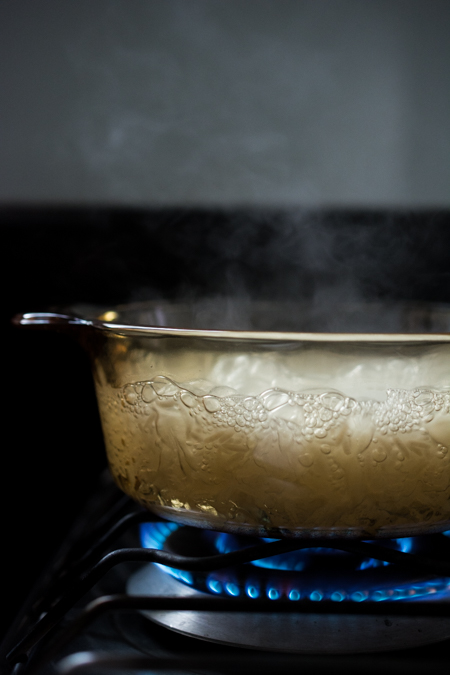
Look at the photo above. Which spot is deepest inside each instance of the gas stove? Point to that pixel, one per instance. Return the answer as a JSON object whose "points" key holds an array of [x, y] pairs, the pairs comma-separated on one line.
{"points": [[190, 620], [129, 592]]}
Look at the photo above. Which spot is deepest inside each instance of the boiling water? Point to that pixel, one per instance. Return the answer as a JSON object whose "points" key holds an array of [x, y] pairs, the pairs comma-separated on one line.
{"points": [[312, 461]]}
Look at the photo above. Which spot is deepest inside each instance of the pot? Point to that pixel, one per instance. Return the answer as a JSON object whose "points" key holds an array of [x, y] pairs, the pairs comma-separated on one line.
{"points": [[273, 432]]}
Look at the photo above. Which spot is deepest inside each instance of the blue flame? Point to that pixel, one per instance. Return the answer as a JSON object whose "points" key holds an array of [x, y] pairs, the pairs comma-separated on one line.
{"points": [[232, 589], [437, 588], [214, 586], [359, 596], [154, 535], [297, 561], [226, 543], [369, 563], [252, 591], [294, 595], [223, 543], [316, 596], [405, 544], [338, 596]]}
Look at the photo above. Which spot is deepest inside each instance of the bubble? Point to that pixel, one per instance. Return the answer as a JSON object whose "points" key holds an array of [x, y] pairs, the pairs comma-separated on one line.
{"points": [[325, 414], [230, 402], [325, 448], [188, 399], [211, 403], [320, 433], [442, 451], [311, 421], [423, 397], [163, 386], [148, 394], [130, 394], [379, 455], [275, 400], [250, 403], [332, 401], [306, 459]]}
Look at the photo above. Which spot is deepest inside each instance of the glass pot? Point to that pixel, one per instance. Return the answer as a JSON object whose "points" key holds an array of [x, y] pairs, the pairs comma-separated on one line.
{"points": [[269, 432]]}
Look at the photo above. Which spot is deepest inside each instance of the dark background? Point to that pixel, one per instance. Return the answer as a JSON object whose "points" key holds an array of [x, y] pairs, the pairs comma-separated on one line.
{"points": [[54, 257]]}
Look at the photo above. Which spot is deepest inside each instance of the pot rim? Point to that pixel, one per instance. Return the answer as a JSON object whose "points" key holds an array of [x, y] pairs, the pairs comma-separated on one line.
{"points": [[59, 320]]}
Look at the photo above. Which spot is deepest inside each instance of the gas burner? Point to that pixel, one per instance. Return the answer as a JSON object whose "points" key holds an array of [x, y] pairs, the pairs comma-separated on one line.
{"points": [[310, 576], [293, 633], [313, 574]]}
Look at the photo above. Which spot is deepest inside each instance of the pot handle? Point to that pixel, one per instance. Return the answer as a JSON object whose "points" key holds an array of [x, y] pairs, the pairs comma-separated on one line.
{"points": [[49, 320]]}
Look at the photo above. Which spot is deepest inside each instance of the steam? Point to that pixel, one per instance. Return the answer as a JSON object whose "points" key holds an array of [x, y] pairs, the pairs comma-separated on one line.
{"points": [[295, 269]]}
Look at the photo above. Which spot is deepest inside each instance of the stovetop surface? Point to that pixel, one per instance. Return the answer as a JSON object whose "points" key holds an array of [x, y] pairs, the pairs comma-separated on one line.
{"points": [[125, 635]]}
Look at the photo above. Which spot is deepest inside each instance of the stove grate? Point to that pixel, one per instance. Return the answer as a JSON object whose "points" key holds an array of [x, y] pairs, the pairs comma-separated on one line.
{"points": [[84, 566]]}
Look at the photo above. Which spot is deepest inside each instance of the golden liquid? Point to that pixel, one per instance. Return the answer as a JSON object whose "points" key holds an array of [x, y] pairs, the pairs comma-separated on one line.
{"points": [[308, 461]]}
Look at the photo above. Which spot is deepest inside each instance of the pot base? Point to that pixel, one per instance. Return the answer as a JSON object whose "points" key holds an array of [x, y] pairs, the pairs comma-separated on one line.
{"points": [[211, 522]]}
